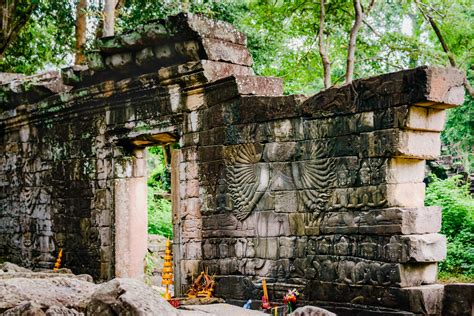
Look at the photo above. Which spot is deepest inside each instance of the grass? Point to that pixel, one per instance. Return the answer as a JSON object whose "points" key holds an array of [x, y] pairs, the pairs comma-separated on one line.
{"points": [[447, 278]]}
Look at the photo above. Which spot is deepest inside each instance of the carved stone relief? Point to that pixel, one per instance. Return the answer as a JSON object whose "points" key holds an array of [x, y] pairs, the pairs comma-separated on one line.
{"points": [[248, 179]]}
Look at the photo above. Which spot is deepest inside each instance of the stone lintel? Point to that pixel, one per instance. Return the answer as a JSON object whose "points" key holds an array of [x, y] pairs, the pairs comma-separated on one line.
{"points": [[200, 91], [173, 41], [424, 86]]}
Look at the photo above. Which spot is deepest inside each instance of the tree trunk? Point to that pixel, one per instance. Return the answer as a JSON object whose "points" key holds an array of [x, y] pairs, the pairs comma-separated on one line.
{"points": [[322, 49], [14, 15], [359, 16], [81, 25], [109, 18]]}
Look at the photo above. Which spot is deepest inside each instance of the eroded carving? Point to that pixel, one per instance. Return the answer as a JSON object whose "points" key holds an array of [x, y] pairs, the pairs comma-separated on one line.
{"points": [[247, 179], [362, 198]]}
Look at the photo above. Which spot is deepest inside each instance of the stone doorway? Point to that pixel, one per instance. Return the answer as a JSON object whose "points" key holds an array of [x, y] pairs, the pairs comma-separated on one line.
{"points": [[132, 209]]}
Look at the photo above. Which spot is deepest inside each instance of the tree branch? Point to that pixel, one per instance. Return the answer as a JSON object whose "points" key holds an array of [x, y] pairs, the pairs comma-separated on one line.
{"points": [[371, 28], [118, 7], [440, 37], [441, 40], [369, 8], [13, 19], [322, 49], [359, 16]]}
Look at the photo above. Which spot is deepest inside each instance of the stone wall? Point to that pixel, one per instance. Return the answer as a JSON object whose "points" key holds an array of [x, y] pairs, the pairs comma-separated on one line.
{"points": [[323, 193], [326, 194]]}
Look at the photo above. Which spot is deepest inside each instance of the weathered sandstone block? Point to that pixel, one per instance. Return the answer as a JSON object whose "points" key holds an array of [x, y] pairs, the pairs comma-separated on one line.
{"points": [[401, 170], [425, 299], [458, 299], [406, 194], [415, 144], [387, 221], [128, 297], [426, 119], [434, 87], [426, 248]]}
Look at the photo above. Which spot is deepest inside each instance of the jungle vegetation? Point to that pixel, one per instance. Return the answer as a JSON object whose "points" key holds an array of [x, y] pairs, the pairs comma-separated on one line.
{"points": [[312, 45]]}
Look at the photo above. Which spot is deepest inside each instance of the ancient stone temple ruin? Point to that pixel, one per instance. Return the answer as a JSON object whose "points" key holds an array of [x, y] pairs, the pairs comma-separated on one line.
{"points": [[322, 193]]}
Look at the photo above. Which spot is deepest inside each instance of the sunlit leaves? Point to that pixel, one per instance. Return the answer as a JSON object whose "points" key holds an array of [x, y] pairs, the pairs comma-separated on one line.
{"points": [[45, 42]]}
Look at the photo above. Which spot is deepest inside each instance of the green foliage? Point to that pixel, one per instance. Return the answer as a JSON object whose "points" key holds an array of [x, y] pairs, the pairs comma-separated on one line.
{"points": [[159, 208], [446, 277], [46, 41], [283, 38], [159, 216], [282, 35], [136, 12], [159, 177], [458, 223]]}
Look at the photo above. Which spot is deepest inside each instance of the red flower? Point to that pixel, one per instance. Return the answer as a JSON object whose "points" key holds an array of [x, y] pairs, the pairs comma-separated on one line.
{"points": [[174, 303]]}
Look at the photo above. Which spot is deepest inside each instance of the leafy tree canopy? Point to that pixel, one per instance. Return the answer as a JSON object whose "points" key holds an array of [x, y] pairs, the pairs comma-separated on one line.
{"points": [[46, 41], [282, 34]]}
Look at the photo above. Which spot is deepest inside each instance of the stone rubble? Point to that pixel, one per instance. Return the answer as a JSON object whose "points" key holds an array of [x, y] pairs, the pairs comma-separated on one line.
{"points": [[63, 293]]}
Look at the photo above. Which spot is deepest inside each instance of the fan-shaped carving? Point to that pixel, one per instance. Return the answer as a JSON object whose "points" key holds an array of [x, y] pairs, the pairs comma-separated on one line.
{"points": [[247, 179], [315, 178]]}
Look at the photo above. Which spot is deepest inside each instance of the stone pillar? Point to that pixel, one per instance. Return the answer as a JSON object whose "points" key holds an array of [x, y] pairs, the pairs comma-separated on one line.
{"points": [[130, 216]]}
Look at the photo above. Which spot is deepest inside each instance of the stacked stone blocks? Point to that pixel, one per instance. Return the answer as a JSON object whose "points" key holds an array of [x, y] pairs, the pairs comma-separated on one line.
{"points": [[324, 194]]}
